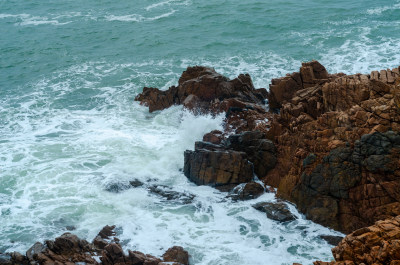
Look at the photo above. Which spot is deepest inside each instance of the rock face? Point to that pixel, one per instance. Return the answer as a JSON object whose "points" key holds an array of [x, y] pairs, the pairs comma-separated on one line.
{"points": [[203, 89], [337, 145], [232, 161], [378, 244], [69, 249]]}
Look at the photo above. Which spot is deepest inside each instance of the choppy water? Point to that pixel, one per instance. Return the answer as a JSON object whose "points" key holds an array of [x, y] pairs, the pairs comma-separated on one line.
{"points": [[69, 128]]}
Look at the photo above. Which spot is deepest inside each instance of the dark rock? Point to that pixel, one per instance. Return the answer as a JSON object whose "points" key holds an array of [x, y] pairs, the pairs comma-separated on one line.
{"points": [[176, 254], [70, 227], [276, 211], [103, 238], [247, 191], [169, 194], [333, 240], [217, 168], [117, 187]]}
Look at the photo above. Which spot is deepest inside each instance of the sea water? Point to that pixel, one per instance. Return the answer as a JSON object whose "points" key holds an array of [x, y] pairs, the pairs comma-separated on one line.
{"points": [[72, 136]]}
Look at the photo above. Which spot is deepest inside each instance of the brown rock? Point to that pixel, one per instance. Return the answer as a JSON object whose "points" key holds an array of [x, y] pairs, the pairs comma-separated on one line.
{"points": [[247, 191], [176, 254], [200, 89]]}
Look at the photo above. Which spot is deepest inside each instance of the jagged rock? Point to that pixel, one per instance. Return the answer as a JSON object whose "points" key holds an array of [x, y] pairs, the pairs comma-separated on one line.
{"points": [[378, 244], [337, 155], [247, 191], [117, 187], [201, 89], [276, 211], [176, 254]]}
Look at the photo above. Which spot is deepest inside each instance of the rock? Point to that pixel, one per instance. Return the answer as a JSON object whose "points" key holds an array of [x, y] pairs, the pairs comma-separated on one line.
{"points": [[103, 238], [35, 250], [275, 211], [214, 137], [176, 254], [69, 249], [117, 187], [136, 183], [169, 194], [201, 89], [247, 191], [378, 244], [217, 167], [336, 141], [333, 240]]}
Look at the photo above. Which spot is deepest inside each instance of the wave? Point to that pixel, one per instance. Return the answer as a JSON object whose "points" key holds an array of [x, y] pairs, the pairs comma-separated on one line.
{"points": [[27, 19]]}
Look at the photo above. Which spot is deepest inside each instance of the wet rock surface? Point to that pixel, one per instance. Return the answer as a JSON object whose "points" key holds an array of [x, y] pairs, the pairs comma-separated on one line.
{"points": [[276, 211], [69, 249]]}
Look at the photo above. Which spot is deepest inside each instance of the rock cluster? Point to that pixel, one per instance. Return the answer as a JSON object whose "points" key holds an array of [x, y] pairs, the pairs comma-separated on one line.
{"points": [[68, 249], [378, 244], [337, 140]]}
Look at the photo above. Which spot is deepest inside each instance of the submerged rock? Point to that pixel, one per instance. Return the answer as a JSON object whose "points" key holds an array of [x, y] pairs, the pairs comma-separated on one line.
{"points": [[277, 211], [333, 240]]}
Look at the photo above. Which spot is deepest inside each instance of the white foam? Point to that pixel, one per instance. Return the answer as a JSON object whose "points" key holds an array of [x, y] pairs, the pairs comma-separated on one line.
{"points": [[27, 19], [380, 10]]}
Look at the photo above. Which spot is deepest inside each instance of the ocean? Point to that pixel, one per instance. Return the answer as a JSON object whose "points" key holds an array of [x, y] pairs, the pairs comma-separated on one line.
{"points": [[72, 136]]}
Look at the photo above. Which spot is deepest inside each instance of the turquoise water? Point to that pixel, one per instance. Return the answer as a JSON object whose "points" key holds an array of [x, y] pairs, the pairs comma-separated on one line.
{"points": [[69, 128]]}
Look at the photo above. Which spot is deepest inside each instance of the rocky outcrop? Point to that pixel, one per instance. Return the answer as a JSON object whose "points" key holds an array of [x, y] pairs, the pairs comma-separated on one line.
{"points": [[233, 161], [337, 145], [378, 244], [105, 249], [202, 89]]}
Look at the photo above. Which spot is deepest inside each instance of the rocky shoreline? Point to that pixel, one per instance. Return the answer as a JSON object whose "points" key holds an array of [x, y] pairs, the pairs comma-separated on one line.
{"points": [[329, 143]]}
